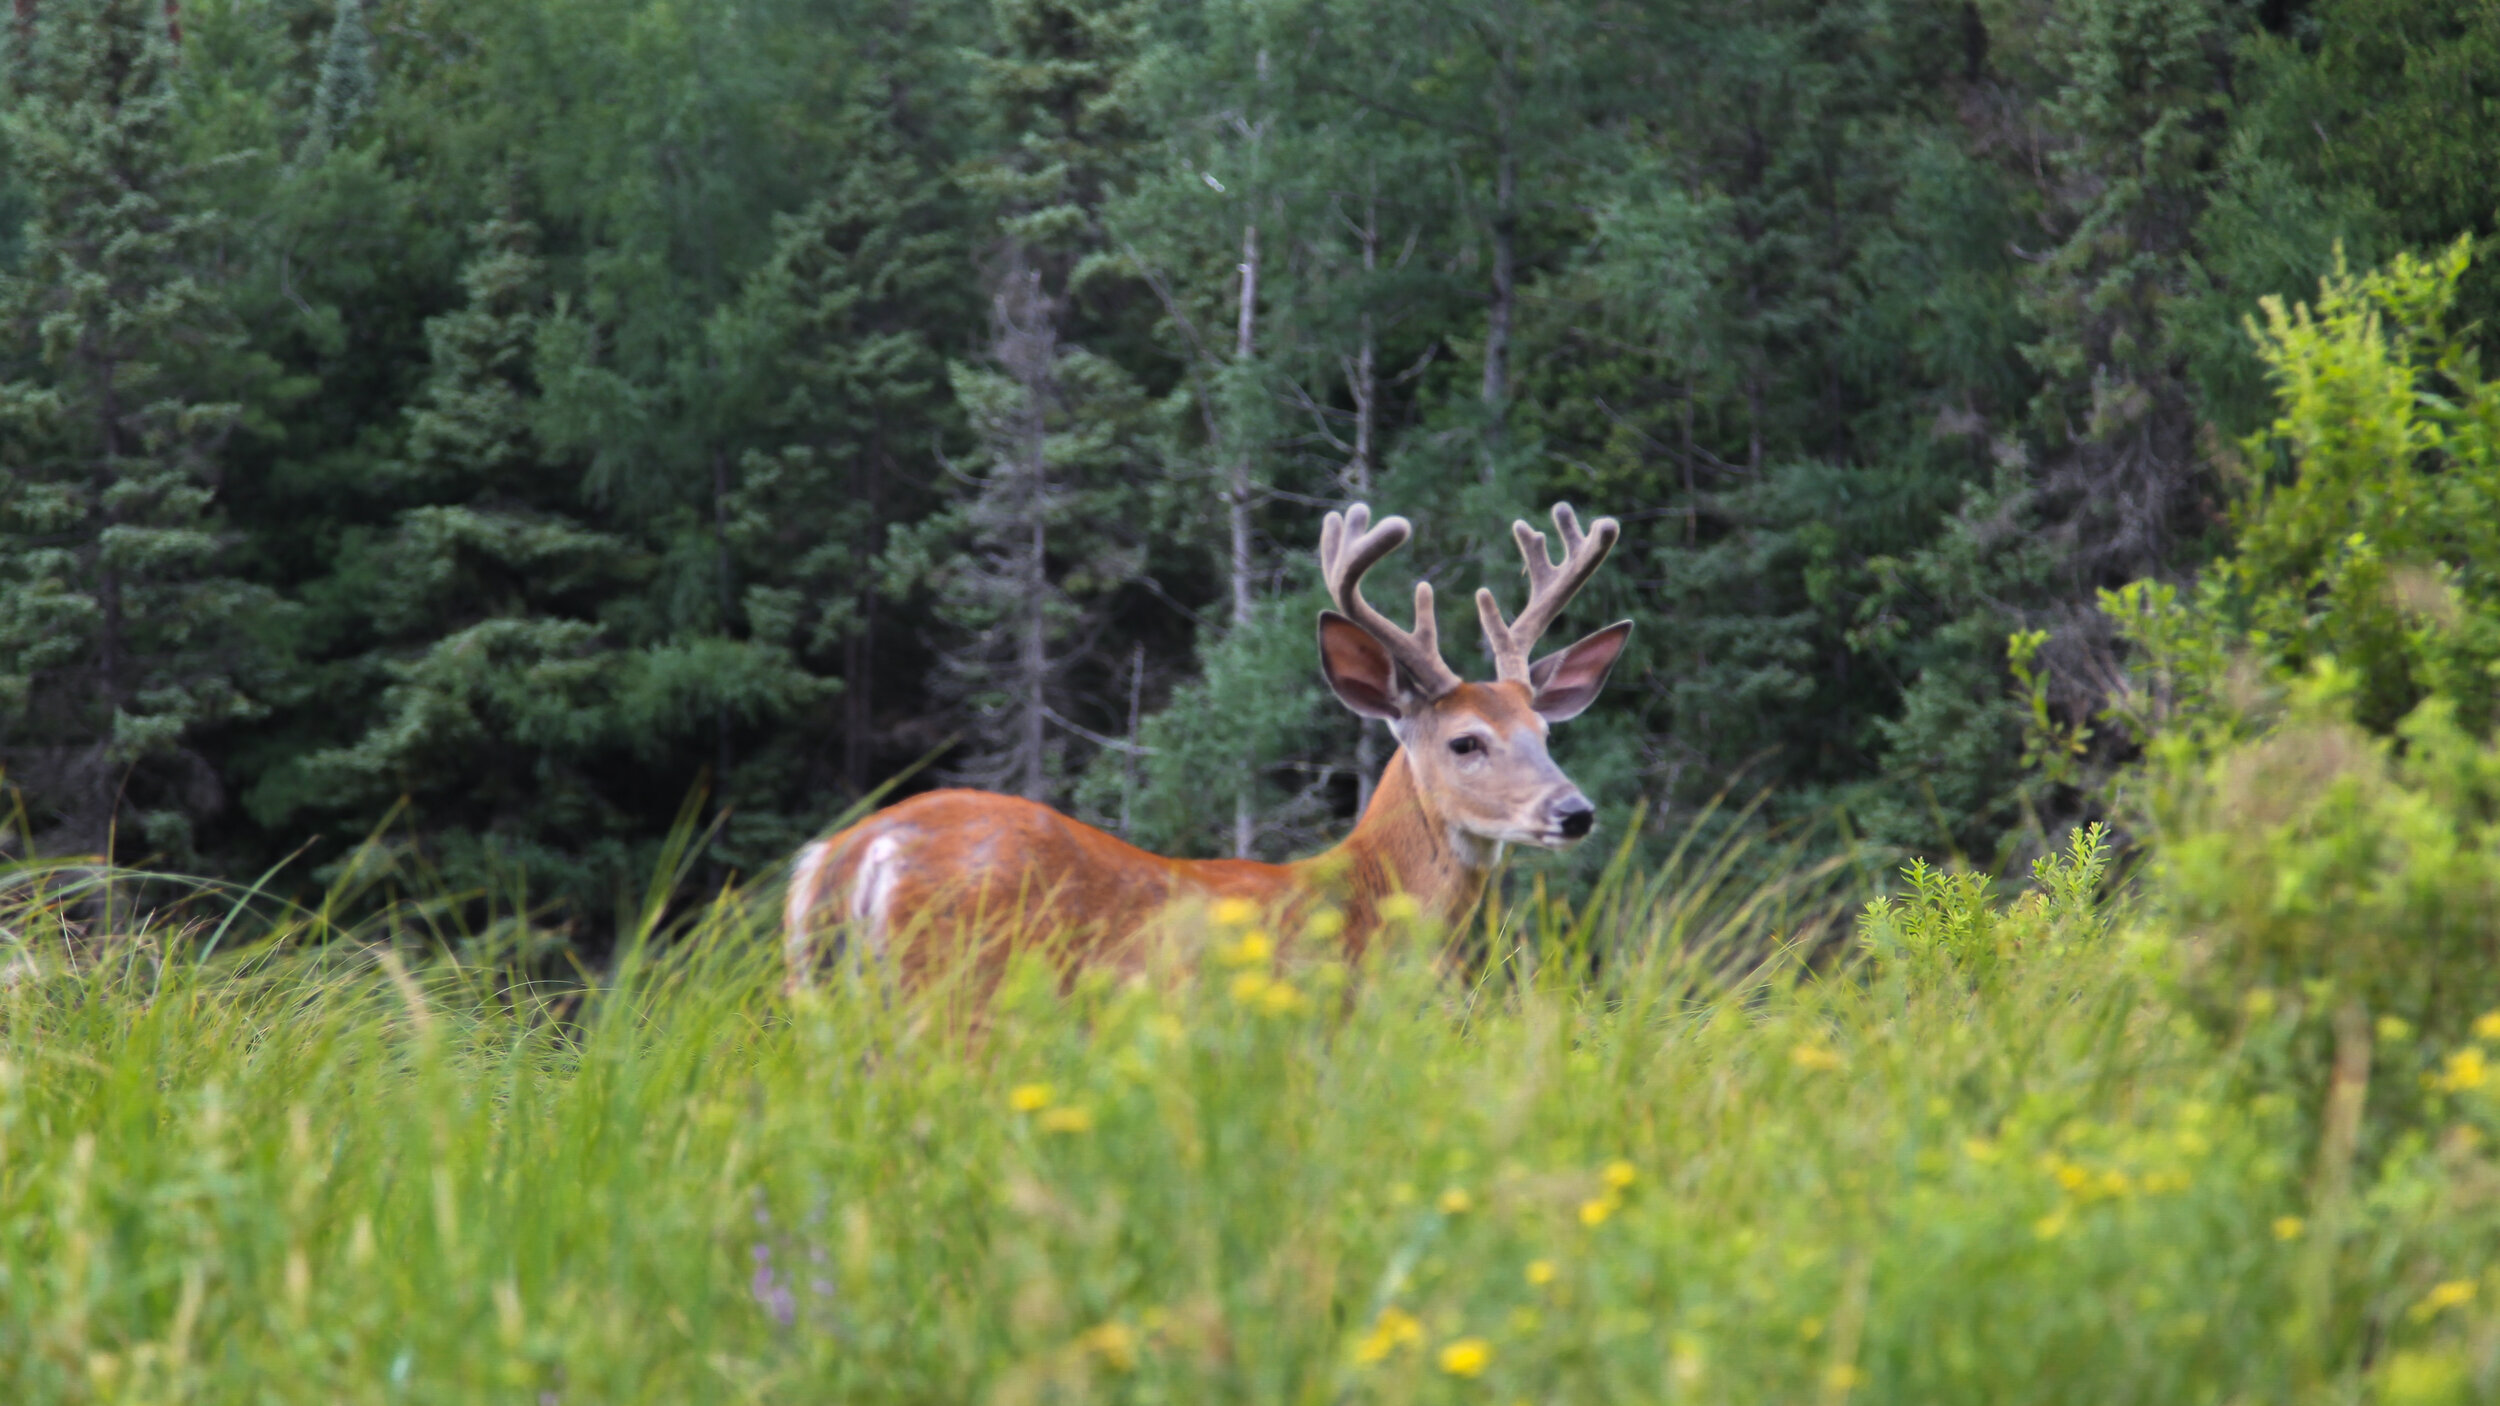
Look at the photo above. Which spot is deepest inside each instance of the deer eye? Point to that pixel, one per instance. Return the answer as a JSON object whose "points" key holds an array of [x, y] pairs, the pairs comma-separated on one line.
{"points": [[1467, 746]]}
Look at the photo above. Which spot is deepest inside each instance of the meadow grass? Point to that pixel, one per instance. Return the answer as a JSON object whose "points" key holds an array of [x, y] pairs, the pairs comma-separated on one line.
{"points": [[1967, 1152]]}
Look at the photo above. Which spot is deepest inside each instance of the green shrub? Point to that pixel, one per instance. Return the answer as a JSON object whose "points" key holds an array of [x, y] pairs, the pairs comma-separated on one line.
{"points": [[2317, 712], [1945, 928], [2368, 532]]}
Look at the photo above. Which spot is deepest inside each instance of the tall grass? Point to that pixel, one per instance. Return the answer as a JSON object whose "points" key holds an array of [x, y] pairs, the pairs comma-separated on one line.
{"points": [[1644, 1149]]}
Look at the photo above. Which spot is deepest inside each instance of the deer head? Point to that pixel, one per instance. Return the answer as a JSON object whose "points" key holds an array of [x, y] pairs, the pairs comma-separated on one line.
{"points": [[1476, 750]]}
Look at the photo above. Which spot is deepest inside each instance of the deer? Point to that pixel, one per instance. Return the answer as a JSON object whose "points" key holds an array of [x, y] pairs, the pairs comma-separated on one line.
{"points": [[1471, 777]]}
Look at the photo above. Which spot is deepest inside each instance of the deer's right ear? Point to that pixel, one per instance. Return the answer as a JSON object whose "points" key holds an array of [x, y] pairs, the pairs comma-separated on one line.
{"points": [[1358, 668]]}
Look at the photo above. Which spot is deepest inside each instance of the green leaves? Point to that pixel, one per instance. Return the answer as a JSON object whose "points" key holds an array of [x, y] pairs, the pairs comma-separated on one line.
{"points": [[2369, 545], [126, 634]]}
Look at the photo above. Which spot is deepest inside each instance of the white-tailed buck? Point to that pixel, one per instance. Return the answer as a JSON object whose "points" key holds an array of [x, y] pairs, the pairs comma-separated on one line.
{"points": [[952, 875]]}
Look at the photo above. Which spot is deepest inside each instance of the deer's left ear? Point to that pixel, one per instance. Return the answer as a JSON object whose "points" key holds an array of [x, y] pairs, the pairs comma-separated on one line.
{"points": [[1566, 681]]}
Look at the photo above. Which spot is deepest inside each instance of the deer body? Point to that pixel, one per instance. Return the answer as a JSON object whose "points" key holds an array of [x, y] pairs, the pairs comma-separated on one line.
{"points": [[956, 874], [1008, 872]]}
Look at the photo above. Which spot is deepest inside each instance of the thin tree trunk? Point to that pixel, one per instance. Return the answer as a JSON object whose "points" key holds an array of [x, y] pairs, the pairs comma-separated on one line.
{"points": [[859, 646], [1237, 512], [111, 664], [1505, 231], [1496, 392], [1692, 499], [855, 656], [1365, 386], [1753, 421], [1136, 718], [1237, 494], [1034, 659], [1364, 382], [726, 587], [1026, 347]]}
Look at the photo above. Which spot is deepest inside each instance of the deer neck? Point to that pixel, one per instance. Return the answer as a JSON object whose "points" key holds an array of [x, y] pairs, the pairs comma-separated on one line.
{"points": [[1402, 844]]}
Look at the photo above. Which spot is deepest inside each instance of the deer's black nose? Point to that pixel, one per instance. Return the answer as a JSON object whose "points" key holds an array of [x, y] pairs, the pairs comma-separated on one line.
{"points": [[1575, 817]]}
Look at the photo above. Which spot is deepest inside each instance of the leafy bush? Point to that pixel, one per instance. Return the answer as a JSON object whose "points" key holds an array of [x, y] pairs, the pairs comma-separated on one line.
{"points": [[2369, 531], [1945, 928], [2317, 712]]}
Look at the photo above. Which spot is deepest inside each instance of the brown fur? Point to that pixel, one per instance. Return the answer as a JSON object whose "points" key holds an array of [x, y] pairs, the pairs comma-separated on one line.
{"points": [[957, 876], [973, 866]]}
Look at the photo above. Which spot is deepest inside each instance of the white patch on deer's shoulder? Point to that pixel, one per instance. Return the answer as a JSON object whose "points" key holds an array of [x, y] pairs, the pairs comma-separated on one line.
{"points": [[872, 889]]}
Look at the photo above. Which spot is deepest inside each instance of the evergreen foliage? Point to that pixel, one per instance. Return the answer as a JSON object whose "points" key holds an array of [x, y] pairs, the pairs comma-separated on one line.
{"points": [[126, 639], [537, 413]]}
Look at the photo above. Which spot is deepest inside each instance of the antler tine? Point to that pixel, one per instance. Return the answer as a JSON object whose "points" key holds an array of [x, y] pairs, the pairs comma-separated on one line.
{"points": [[1350, 545], [1551, 585]]}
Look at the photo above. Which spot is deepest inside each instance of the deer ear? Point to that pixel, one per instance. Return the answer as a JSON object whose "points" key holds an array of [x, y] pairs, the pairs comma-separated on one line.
{"points": [[1357, 667], [1566, 681]]}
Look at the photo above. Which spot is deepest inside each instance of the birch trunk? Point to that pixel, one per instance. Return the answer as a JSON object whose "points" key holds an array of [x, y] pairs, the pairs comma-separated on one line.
{"points": [[1237, 510]]}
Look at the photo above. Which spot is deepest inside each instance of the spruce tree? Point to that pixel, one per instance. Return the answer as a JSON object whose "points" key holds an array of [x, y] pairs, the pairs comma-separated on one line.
{"points": [[1049, 525], [830, 357], [529, 709], [125, 639]]}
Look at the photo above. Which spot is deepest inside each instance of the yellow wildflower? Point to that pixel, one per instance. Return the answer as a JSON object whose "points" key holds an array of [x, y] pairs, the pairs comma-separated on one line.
{"points": [[1620, 1174], [1815, 1058], [1843, 1377], [1685, 1359], [1280, 998], [2442, 1297], [2410, 1378], [1114, 1343], [1254, 949], [2466, 1069], [2071, 1176], [1595, 1210], [1468, 1357], [2289, 1227], [1025, 1098], [1399, 908], [1066, 1120], [1236, 912], [1540, 1272], [1394, 1329], [1456, 1201], [1325, 923], [1250, 986], [2050, 1226], [2487, 1026], [2114, 1183]]}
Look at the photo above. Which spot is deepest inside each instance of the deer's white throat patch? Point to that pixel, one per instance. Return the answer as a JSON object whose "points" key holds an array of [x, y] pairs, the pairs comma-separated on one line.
{"points": [[1474, 850]]}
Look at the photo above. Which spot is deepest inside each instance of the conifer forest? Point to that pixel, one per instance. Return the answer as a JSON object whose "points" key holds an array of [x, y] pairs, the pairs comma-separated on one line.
{"points": [[484, 482], [523, 429]]}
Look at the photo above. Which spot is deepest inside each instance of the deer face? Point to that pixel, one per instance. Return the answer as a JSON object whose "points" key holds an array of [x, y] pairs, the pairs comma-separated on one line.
{"points": [[1479, 756], [1476, 750]]}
